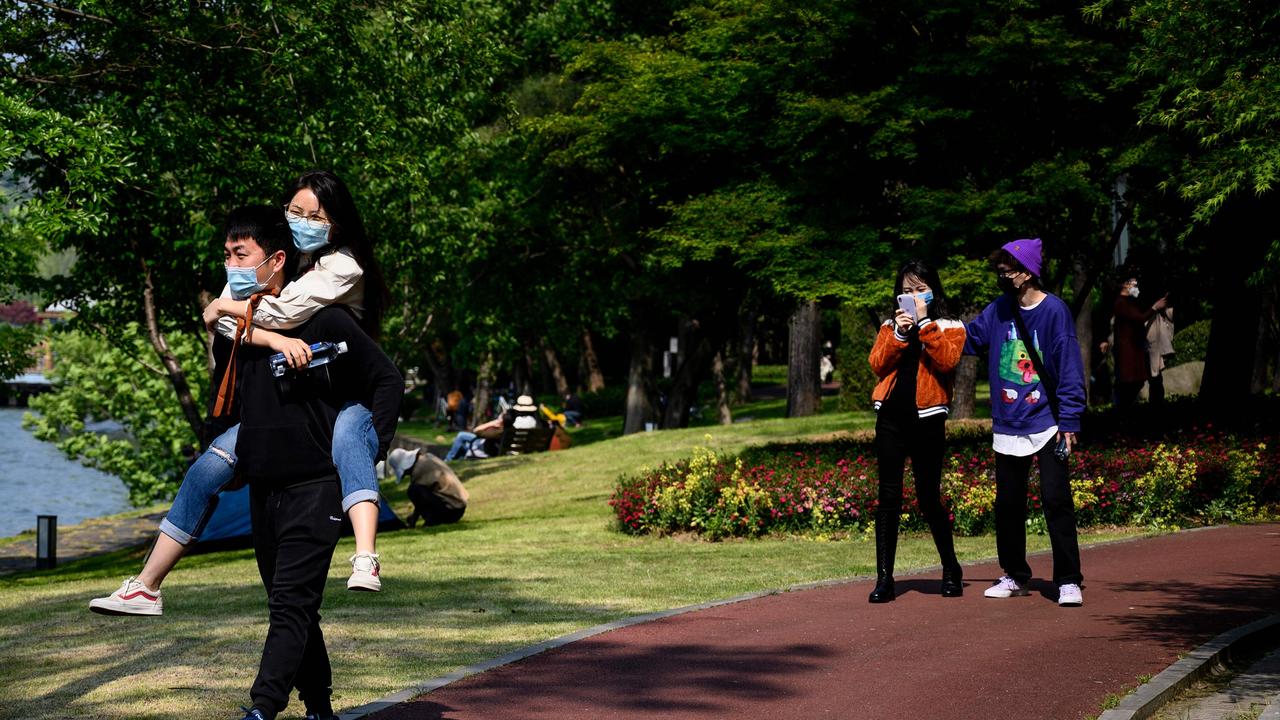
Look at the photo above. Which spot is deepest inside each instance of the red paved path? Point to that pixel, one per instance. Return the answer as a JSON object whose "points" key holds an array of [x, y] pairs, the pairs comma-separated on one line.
{"points": [[828, 653]]}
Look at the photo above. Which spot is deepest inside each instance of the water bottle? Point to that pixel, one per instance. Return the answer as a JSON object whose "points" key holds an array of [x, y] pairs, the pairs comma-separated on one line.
{"points": [[321, 354]]}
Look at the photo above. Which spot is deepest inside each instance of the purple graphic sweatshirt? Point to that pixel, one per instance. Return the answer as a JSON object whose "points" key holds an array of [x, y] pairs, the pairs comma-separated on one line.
{"points": [[1019, 402]]}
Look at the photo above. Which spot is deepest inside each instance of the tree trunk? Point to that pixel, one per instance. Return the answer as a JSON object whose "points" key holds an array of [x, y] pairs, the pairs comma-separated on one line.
{"points": [[746, 353], [684, 384], [1265, 343], [530, 366], [591, 363], [1228, 364], [964, 393], [641, 407], [443, 377], [804, 389], [723, 413], [557, 370], [177, 376], [1084, 336], [484, 390]]}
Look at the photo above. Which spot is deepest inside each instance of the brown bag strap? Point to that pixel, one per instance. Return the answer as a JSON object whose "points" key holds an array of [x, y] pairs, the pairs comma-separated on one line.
{"points": [[244, 329]]}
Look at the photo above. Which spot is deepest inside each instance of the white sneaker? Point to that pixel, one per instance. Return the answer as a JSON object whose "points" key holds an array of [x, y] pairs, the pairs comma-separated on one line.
{"points": [[365, 571], [1069, 595], [1006, 587], [133, 598]]}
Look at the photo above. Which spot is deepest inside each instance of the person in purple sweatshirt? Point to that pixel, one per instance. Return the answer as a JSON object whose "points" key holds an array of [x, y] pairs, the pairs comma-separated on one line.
{"points": [[1031, 416]]}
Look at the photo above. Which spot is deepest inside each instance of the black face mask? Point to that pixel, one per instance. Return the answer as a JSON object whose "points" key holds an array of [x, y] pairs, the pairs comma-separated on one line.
{"points": [[1006, 285]]}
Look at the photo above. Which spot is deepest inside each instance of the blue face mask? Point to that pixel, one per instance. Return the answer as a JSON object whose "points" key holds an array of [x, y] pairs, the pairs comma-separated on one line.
{"points": [[926, 297], [308, 235], [244, 281]]}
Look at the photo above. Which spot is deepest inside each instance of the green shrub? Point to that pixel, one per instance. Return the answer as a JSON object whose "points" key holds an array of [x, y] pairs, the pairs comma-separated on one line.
{"points": [[1190, 343]]}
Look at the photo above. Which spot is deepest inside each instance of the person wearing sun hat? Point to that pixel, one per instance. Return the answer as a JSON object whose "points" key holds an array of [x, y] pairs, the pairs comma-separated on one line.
{"points": [[1037, 400]]}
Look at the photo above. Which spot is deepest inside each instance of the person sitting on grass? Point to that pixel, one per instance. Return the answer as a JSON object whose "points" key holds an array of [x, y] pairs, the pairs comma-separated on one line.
{"points": [[283, 451], [480, 442]]}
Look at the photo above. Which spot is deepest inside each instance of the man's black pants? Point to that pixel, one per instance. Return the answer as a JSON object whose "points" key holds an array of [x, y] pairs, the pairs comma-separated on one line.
{"points": [[1012, 473], [295, 531]]}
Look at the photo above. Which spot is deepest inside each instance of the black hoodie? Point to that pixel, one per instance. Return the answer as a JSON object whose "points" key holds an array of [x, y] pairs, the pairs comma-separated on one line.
{"points": [[286, 431]]}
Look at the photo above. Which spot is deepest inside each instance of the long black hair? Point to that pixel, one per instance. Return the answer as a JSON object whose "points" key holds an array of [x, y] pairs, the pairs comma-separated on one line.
{"points": [[347, 231], [926, 272]]}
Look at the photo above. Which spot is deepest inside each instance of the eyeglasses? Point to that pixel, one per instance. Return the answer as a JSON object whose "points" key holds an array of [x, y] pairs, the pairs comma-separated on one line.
{"points": [[297, 212], [1005, 272]]}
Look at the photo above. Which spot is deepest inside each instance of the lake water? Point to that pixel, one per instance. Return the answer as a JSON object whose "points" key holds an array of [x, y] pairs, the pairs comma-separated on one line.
{"points": [[37, 479]]}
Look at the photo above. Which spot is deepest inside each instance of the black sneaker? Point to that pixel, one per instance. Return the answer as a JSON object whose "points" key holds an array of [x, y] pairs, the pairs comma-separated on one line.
{"points": [[252, 714]]}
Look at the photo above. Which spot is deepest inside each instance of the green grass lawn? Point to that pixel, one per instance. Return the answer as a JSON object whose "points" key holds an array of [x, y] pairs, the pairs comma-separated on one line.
{"points": [[534, 558]]}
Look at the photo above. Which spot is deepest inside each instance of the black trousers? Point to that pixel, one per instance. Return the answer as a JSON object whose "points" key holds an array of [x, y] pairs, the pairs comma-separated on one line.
{"points": [[431, 508], [923, 440], [1012, 473], [295, 531], [1155, 389]]}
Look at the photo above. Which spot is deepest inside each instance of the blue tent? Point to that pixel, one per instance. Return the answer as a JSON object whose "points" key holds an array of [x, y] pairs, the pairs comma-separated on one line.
{"points": [[230, 527]]}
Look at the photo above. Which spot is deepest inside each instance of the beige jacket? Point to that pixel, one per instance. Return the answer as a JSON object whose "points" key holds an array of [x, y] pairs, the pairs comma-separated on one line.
{"points": [[336, 278]]}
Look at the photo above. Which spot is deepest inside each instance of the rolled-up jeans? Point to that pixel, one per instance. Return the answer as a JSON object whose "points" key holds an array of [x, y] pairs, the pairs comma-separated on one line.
{"points": [[355, 450]]}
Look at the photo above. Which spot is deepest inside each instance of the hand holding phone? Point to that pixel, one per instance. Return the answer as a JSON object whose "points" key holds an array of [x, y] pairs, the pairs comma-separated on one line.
{"points": [[907, 304], [1063, 449]]}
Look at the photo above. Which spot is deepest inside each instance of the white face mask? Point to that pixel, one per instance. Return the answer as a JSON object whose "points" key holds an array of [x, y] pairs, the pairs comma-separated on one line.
{"points": [[1133, 292]]}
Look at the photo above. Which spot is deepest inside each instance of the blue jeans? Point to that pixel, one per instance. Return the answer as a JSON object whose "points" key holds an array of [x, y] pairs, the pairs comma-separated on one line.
{"points": [[460, 445], [355, 449]]}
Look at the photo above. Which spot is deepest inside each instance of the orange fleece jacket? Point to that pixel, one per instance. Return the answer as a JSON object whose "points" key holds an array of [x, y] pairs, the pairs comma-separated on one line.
{"points": [[941, 343]]}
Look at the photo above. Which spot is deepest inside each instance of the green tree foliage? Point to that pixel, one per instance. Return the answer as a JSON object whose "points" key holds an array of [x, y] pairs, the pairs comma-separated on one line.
{"points": [[137, 129], [1213, 76], [97, 380]]}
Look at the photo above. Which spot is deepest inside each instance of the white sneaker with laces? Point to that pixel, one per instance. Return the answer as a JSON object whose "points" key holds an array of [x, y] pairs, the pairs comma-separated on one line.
{"points": [[1006, 587], [365, 573], [1069, 595], [133, 598]]}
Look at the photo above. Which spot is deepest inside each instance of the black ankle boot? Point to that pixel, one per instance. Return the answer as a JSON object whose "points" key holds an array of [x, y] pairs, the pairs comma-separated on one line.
{"points": [[886, 548], [884, 591], [952, 582]]}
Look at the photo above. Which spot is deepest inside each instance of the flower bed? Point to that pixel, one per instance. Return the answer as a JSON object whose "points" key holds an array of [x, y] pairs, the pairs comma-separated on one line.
{"points": [[1207, 476]]}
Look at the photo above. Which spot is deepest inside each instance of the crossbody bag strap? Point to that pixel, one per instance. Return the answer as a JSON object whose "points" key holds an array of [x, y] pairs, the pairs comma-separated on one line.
{"points": [[244, 327], [1050, 385]]}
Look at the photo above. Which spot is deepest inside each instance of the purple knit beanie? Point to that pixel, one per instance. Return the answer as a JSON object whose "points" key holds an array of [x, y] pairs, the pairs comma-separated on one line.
{"points": [[1027, 252]]}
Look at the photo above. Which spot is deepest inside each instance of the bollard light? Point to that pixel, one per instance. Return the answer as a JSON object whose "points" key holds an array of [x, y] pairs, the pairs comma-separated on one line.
{"points": [[46, 542]]}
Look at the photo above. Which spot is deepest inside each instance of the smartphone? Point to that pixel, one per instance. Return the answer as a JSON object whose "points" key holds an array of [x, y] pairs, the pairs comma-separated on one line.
{"points": [[1062, 450], [907, 303]]}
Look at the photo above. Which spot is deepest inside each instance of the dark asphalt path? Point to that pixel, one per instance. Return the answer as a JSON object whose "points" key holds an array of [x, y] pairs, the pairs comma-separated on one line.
{"points": [[826, 652]]}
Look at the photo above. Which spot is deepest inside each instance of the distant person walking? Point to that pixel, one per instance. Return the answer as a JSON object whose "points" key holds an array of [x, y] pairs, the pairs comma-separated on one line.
{"points": [[915, 356], [1133, 368], [1037, 399]]}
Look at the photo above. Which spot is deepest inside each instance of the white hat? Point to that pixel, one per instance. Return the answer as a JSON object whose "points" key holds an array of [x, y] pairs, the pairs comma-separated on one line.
{"points": [[524, 403]]}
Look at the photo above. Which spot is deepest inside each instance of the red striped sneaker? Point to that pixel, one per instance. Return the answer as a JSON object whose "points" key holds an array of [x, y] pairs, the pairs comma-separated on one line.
{"points": [[133, 598]]}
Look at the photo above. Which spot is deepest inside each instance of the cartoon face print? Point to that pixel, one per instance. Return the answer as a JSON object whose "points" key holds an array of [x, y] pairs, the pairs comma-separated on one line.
{"points": [[1015, 361]]}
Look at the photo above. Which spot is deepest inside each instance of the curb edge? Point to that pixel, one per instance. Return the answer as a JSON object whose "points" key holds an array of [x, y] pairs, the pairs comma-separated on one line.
{"points": [[1146, 699]]}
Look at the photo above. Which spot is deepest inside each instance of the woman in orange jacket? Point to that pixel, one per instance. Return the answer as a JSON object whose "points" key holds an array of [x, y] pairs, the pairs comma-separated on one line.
{"points": [[915, 357]]}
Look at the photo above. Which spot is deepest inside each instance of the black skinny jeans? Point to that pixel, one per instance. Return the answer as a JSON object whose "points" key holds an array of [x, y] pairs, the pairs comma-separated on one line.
{"points": [[295, 531], [923, 440], [1012, 473]]}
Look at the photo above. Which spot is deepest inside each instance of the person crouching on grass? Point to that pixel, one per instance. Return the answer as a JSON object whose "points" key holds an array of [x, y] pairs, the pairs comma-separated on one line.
{"points": [[283, 451]]}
